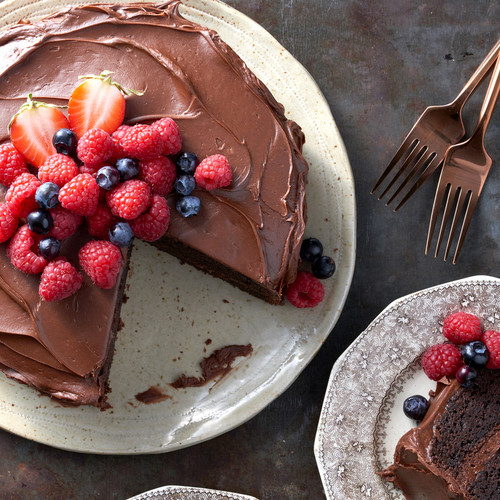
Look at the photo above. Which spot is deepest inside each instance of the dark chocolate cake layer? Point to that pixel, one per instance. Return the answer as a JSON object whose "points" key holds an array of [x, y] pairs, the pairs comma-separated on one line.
{"points": [[454, 453]]}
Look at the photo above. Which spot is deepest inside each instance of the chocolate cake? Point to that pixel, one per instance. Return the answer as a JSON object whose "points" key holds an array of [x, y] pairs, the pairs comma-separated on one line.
{"points": [[454, 453], [248, 234]]}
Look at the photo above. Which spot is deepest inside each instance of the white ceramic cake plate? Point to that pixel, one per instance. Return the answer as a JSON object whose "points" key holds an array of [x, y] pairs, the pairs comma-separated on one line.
{"points": [[173, 310], [362, 417], [188, 493]]}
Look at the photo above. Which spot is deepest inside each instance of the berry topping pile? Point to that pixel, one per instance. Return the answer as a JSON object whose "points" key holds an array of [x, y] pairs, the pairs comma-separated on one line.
{"points": [[88, 167], [307, 290], [470, 349]]}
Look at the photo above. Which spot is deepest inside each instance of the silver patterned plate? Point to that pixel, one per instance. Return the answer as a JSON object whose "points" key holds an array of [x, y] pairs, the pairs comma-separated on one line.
{"points": [[189, 493], [362, 418]]}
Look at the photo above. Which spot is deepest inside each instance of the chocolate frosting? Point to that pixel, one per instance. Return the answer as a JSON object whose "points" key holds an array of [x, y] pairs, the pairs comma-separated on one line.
{"points": [[254, 226], [415, 470]]}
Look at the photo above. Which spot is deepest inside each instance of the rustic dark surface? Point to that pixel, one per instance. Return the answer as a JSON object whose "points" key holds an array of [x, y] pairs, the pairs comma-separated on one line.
{"points": [[379, 65]]}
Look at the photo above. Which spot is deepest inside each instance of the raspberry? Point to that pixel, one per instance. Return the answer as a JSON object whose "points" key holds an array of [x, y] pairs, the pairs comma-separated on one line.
{"points": [[491, 339], [65, 223], [90, 169], [59, 280], [129, 199], [117, 136], [58, 169], [95, 146], [21, 195], [21, 254], [152, 225], [12, 164], [142, 142], [441, 360], [462, 327], [102, 261], [80, 195], [305, 291], [100, 222], [8, 223], [170, 135], [159, 173], [213, 172]]}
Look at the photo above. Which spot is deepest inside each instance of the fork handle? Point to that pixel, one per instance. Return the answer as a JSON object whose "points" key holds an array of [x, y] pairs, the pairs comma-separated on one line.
{"points": [[489, 102], [477, 77]]}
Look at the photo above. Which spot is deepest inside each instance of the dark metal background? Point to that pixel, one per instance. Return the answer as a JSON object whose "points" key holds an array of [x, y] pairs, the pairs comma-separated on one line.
{"points": [[379, 64]]}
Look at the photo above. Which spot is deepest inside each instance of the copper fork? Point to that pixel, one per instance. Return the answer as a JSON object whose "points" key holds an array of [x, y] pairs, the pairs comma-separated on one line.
{"points": [[423, 149], [465, 168]]}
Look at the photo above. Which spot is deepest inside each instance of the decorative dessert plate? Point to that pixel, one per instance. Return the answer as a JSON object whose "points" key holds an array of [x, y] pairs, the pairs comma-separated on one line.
{"points": [[175, 315], [362, 417], [188, 493]]}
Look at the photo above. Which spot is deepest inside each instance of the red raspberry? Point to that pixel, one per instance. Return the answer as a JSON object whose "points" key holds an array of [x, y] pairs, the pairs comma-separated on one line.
{"points": [[152, 225], [129, 199], [159, 173], [170, 135], [305, 291], [80, 195], [95, 146], [8, 223], [21, 195], [101, 260], [142, 142], [213, 172], [462, 327], [117, 136], [65, 223], [100, 222], [491, 339], [441, 360], [58, 169], [12, 164], [21, 254], [90, 169], [59, 280]]}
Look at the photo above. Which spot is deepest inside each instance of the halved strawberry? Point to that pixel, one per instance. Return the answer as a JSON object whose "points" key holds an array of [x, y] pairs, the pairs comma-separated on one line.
{"points": [[32, 129], [98, 102]]}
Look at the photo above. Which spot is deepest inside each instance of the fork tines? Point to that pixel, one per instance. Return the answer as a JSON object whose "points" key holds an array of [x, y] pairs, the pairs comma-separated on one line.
{"points": [[459, 202], [415, 164]]}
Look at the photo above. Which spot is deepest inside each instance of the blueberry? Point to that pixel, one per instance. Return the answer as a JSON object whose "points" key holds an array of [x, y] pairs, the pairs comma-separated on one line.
{"points": [[65, 141], [127, 167], [187, 163], [466, 376], [475, 354], [311, 249], [323, 267], [184, 184], [47, 195], [107, 177], [121, 234], [40, 221], [415, 407], [188, 206], [49, 248]]}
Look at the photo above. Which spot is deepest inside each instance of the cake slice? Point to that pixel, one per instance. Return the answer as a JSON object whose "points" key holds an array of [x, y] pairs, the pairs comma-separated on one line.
{"points": [[248, 233], [454, 453]]}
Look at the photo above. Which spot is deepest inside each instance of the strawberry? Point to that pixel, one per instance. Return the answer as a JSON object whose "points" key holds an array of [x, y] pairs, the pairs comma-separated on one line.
{"points": [[98, 102], [32, 129]]}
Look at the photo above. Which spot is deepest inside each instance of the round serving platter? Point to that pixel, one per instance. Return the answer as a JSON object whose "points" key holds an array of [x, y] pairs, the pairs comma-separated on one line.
{"points": [[175, 315]]}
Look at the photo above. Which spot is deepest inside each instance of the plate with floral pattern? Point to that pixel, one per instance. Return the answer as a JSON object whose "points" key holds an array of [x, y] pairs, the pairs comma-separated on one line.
{"points": [[189, 493], [362, 419]]}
